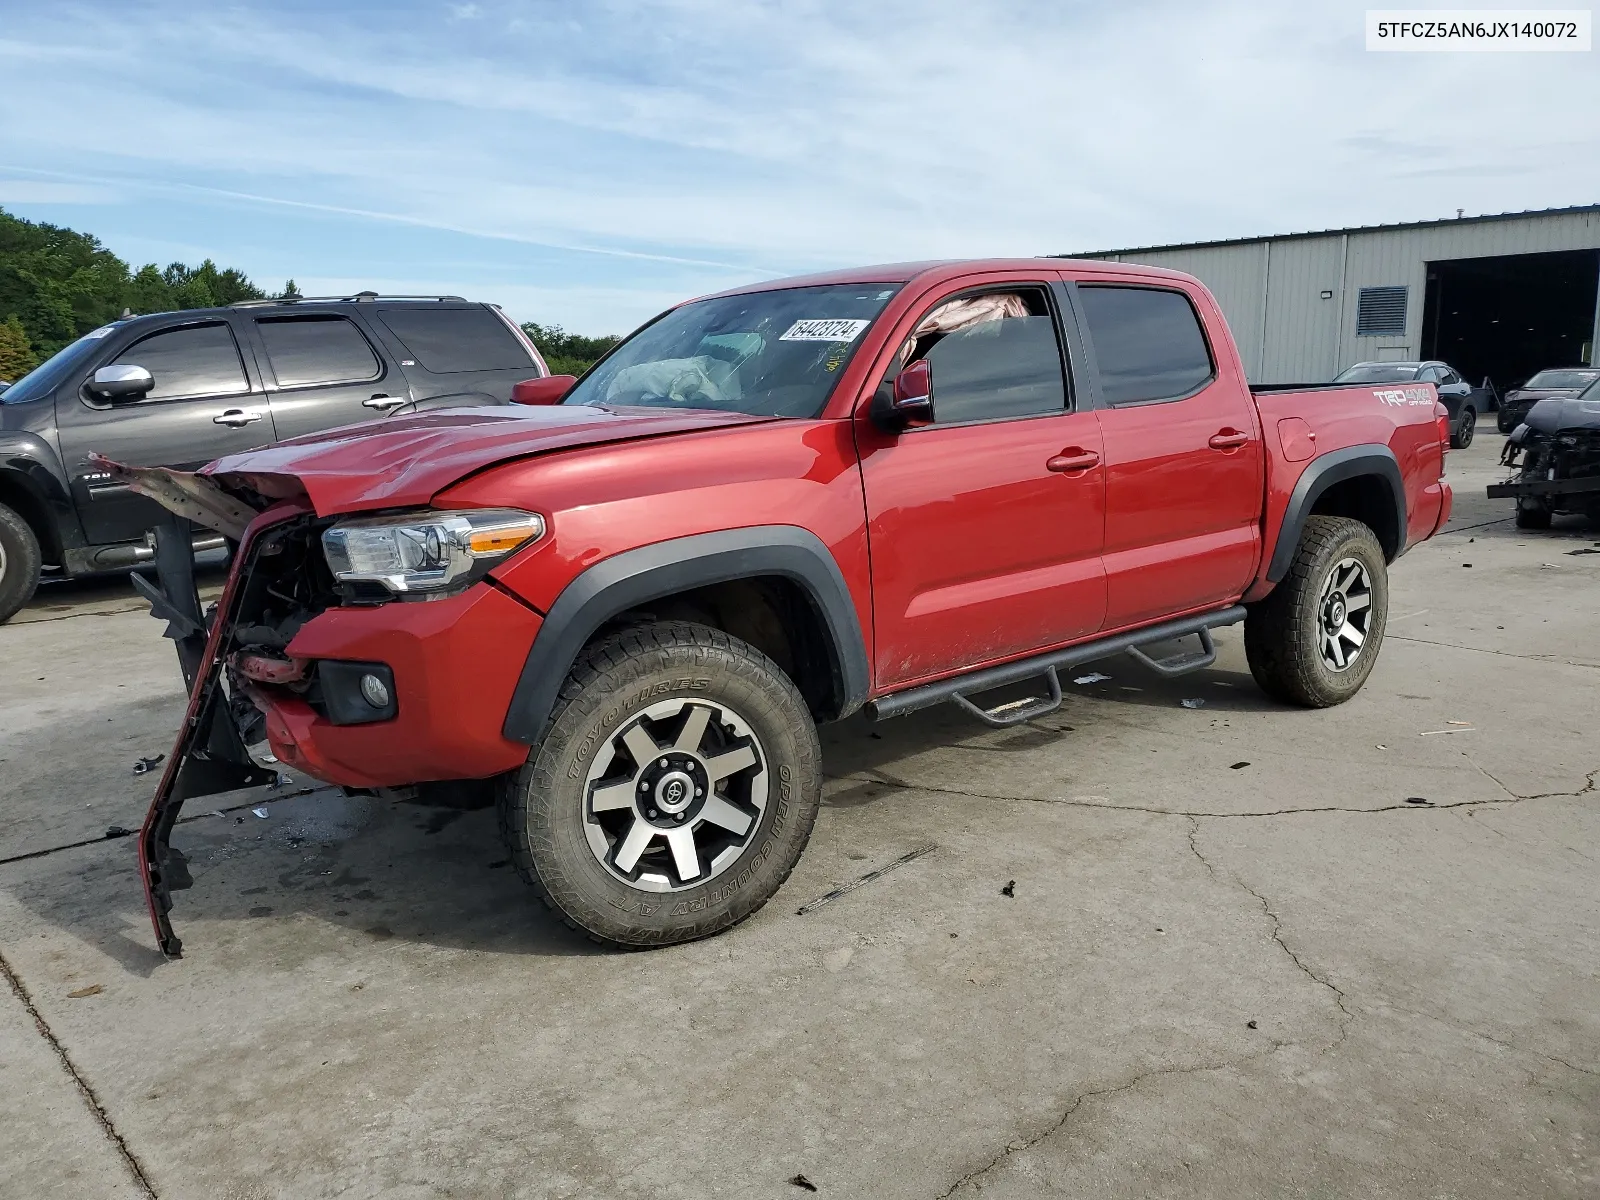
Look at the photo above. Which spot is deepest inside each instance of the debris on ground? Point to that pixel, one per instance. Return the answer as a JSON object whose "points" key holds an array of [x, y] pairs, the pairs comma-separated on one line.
{"points": [[1092, 677], [145, 765], [1466, 723], [1584, 550], [804, 1184], [867, 878], [1250, 1025], [1010, 889], [1194, 703], [94, 989], [279, 780], [217, 812], [117, 831], [260, 812], [1381, 746], [1466, 564], [1433, 732], [1419, 800], [1238, 766]]}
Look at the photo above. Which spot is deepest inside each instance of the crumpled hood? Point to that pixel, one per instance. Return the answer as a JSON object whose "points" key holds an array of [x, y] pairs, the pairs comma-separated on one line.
{"points": [[1555, 416], [408, 460]]}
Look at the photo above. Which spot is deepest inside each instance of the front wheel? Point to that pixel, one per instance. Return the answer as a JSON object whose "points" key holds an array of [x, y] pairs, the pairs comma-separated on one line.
{"points": [[1315, 638], [1466, 426], [19, 563], [673, 791]]}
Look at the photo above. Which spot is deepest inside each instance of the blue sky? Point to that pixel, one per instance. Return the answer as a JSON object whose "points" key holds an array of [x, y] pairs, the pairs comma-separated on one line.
{"points": [[588, 163]]}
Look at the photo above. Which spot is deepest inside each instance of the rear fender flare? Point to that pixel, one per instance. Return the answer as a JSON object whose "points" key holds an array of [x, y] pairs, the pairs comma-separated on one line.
{"points": [[636, 577], [1322, 473]]}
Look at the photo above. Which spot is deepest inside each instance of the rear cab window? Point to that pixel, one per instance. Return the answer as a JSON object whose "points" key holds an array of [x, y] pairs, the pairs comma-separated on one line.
{"points": [[1149, 344], [449, 341], [317, 350]]}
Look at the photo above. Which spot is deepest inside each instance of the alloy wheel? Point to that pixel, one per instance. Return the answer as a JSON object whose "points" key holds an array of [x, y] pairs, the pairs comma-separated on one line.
{"points": [[1344, 614], [675, 795]]}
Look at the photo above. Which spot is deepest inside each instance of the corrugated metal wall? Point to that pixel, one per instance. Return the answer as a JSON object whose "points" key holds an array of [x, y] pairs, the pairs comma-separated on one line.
{"points": [[1271, 290]]}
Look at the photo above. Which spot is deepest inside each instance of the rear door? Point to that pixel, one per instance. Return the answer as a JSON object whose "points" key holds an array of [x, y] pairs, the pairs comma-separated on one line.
{"points": [[207, 401], [1184, 466], [984, 527], [323, 371], [467, 351]]}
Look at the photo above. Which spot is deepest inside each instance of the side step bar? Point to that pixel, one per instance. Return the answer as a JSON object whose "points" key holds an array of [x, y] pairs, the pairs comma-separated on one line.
{"points": [[959, 687]]}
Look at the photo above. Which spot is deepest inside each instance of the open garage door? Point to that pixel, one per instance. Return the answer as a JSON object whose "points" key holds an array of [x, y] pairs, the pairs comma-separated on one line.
{"points": [[1511, 315]]}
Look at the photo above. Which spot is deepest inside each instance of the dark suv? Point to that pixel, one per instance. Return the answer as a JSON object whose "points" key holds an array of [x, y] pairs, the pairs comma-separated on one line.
{"points": [[180, 389]]}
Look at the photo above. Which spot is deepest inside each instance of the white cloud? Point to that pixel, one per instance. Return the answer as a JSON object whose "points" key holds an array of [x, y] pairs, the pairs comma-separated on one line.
{"points": [[43, 191]]}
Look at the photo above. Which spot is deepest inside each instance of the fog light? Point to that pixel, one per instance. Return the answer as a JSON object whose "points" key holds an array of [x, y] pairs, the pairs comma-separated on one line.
{"points": [[374, 691]]}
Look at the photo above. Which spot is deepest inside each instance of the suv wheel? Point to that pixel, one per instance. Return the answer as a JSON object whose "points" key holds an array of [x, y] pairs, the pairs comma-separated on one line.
{"points": [[673, 791], [1466, 425], [19, 563], [1533, 513], [1315, 638]]}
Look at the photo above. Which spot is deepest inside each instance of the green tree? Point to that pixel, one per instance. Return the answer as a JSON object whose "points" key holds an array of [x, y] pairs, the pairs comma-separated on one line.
{"points": [[290, 292], [568, 353], [16, 352], [59, 284]]}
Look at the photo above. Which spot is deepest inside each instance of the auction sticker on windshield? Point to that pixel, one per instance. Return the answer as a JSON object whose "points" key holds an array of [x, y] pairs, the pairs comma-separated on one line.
{"points": [[825, 330]]}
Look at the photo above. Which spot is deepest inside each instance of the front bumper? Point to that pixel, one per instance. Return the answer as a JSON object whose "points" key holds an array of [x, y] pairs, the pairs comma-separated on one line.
{"points": [[455, 662]]}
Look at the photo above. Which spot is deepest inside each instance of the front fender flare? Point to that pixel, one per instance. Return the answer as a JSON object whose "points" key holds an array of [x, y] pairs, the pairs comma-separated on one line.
{"points": [[636, 577]]}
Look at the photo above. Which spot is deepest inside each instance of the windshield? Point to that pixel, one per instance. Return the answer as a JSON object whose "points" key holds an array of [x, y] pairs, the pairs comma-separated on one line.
{"points": [[53, 371], [774, 354], [1378, 373], [1562, 379]]}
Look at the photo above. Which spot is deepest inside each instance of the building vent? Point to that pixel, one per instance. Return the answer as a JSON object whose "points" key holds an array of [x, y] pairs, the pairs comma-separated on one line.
{"points": [[1381, 312]]}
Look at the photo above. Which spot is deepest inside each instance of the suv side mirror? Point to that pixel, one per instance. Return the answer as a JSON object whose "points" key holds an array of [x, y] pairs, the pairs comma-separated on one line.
{"points": [[909, 403], [122, 381], [547, 390]]}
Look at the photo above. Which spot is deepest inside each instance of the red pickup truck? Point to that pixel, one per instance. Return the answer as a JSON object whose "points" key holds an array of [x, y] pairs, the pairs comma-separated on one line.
{"points": [[629, 600]]}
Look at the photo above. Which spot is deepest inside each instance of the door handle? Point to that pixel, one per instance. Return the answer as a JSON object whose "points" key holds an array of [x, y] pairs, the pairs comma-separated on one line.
{"points": [[383, 403], [236, 417], [1072, 460], [1228, 439]]}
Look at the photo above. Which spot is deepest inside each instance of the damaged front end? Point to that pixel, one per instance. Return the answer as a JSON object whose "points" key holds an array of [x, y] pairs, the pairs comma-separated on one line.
{"points": [[1556, 455], [276, 584]]}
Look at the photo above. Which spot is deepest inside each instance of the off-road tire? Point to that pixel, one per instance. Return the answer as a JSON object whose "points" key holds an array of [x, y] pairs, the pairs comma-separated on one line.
{"points": [[542, 806], [1466, 426], [1282, 634], [19, 563], [1533, 518]]}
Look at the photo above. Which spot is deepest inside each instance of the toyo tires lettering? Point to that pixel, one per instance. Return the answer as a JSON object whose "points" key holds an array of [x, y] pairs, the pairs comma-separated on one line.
{"points": [[580, 759]]}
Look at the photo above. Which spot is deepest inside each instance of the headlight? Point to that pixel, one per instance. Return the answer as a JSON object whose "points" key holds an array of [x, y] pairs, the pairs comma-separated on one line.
{"points": [[430, 551]]}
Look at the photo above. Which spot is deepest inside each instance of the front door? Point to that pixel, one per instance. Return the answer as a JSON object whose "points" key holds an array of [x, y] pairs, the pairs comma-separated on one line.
{"points": [[204, 404], [985, 526], [1184, 467]]}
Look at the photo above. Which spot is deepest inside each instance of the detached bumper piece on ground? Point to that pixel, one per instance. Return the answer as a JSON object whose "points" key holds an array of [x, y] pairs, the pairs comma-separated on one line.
{"points": [[1557, 455]]}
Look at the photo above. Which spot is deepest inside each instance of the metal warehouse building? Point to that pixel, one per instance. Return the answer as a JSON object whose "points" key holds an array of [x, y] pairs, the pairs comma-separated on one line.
{"points": [[1497, 296]]}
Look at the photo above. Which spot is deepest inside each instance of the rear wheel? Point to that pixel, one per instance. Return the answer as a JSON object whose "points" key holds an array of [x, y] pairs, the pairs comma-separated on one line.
{"points": [[19, 563], [1315, 638], [673, 792], [1466, 425]]}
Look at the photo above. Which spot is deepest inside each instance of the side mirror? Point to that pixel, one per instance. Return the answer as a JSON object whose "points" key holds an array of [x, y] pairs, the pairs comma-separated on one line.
{"points": [[122, 381], [909, 403], [548, 390]]}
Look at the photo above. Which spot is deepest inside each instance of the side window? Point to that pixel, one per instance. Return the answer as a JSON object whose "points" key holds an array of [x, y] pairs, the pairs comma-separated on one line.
{"points": [[448, 340], [993, 356], [1147, 342], [1432, 375], [313, 350], [196, 360]]}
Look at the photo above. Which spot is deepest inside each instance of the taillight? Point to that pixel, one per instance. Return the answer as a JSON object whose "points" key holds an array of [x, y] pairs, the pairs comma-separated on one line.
{"points": [[1441, 420]]}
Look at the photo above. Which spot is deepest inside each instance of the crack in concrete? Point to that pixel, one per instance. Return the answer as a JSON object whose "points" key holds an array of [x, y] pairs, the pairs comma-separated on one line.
{"points": [[1017, 1145], [1538, 658], [84, 1090], [884, 778]]}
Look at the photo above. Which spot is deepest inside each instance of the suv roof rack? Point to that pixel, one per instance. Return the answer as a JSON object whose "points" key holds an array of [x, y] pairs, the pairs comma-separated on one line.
{"points": [[359, 297]]}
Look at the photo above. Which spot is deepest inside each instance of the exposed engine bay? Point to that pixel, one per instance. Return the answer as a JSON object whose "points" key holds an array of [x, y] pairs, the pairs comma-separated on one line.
{"points": [[1556, 456]]}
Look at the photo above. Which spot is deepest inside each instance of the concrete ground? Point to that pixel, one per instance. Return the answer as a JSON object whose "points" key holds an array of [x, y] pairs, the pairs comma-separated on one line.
{"points": [[1251, 951]]}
